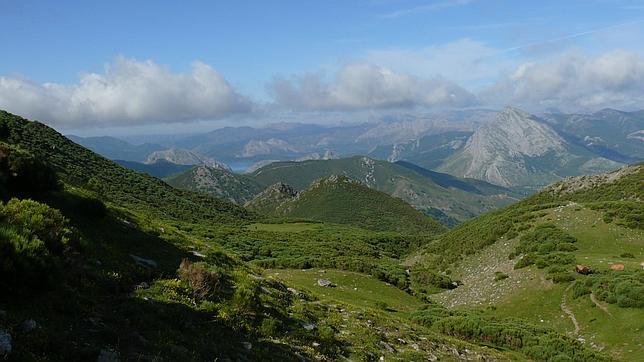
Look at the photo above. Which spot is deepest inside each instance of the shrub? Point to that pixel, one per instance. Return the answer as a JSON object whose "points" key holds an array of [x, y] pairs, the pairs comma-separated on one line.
{"points": [[203, 283], [33, 237], [500, 276]]}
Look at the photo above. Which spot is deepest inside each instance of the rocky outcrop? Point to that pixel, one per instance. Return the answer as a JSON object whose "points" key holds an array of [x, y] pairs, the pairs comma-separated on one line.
{"points": [[181, 156]]}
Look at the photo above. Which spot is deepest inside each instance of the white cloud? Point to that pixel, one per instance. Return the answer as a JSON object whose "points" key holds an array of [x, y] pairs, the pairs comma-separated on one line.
{"points": [[573, 82], [363, 86], [128, 92]]}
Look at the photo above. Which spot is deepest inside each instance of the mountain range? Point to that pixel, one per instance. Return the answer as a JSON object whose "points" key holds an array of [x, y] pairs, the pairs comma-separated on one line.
{"points": [[510, 148]]}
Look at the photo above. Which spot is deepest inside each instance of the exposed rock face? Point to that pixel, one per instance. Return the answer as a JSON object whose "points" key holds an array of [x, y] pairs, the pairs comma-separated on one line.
{"points": [[268, 147], [497, 149], [181, 156], [517, 149]]}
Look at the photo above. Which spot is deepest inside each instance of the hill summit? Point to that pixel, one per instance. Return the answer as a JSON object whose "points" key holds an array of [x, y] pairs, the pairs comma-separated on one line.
{"points": [[339, 199]]}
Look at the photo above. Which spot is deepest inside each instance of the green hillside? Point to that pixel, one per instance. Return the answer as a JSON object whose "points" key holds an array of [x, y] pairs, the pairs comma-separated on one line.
{"points": [[340, 200], [217, 182], [450, 200], [521, 260]]}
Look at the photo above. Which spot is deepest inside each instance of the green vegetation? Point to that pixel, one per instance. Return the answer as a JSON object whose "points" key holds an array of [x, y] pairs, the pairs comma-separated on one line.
{"points": [[548, 246], [339, 200], [538, 343], [623, 288], [217, 182], [449, 198]]}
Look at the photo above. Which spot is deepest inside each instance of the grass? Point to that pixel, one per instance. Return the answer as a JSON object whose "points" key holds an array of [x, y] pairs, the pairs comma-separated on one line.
{"points": [[352, 288]]}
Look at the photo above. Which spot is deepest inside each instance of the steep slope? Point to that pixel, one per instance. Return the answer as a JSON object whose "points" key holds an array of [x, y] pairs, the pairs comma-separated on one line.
{"points": [[522, 259], [125, 188], [338, 199], [159, 169], [519, 150], [449, 202], [217, 182], [116, 149]]}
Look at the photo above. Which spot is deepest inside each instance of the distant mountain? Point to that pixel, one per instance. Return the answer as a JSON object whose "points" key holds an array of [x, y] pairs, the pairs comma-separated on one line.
{"points": [[449, 200], [520, 150], [610, 133], [160, 168], [428, 151], [338, 199], [217, 182], [116, 149], [180, 156]]}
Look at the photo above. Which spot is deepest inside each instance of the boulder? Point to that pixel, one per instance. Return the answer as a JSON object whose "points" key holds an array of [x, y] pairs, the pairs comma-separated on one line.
{"points": [[29, 325], [143, 261], [108, 355], [5, 343], [325, 283], [583, 269]]}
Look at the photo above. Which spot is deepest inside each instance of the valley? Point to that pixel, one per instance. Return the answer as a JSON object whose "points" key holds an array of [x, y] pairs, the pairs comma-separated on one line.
{"points": [[336, 269]]}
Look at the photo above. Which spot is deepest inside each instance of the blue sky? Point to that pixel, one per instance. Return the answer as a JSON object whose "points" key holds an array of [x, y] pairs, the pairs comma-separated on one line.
{"points": [[310, 56]]}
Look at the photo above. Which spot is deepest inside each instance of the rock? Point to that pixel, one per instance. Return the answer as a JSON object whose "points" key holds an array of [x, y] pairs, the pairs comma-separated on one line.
{"points": [[5, 343], [197, 254], [583, 269], [143, 285], [387, 347], [266, 291], [3, 314], [325, 283], [143, 261], [108, 355], [29, 325], [292, 290], [308, 326], [247, 345]]}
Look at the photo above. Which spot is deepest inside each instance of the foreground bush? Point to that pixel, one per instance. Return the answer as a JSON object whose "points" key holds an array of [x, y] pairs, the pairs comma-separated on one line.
{"points": [[33, 237]]}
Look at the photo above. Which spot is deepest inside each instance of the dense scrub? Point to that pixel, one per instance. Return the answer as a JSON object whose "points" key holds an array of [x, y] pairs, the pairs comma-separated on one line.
{"points": [[538, 343], [547, 246], [33, 237], [623, 288]]}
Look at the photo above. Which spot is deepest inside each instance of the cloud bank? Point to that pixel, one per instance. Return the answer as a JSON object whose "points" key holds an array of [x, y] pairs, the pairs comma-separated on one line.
{"points": [[128, 92], [364, 86], [574, 82]]}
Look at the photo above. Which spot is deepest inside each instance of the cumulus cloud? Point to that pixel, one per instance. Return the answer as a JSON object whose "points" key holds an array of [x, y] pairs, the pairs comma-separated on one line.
{"points": [[128, 92], [364, 86], [573, 82]]}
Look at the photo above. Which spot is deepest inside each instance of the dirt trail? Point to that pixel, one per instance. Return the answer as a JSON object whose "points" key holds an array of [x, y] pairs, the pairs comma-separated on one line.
{"points": [[599, 305], [564, 307]]}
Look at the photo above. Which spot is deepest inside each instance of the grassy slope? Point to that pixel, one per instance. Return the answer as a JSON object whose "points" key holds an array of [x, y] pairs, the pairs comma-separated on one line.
{"points": [[343, 201], [417, 189], [476, 250]]}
